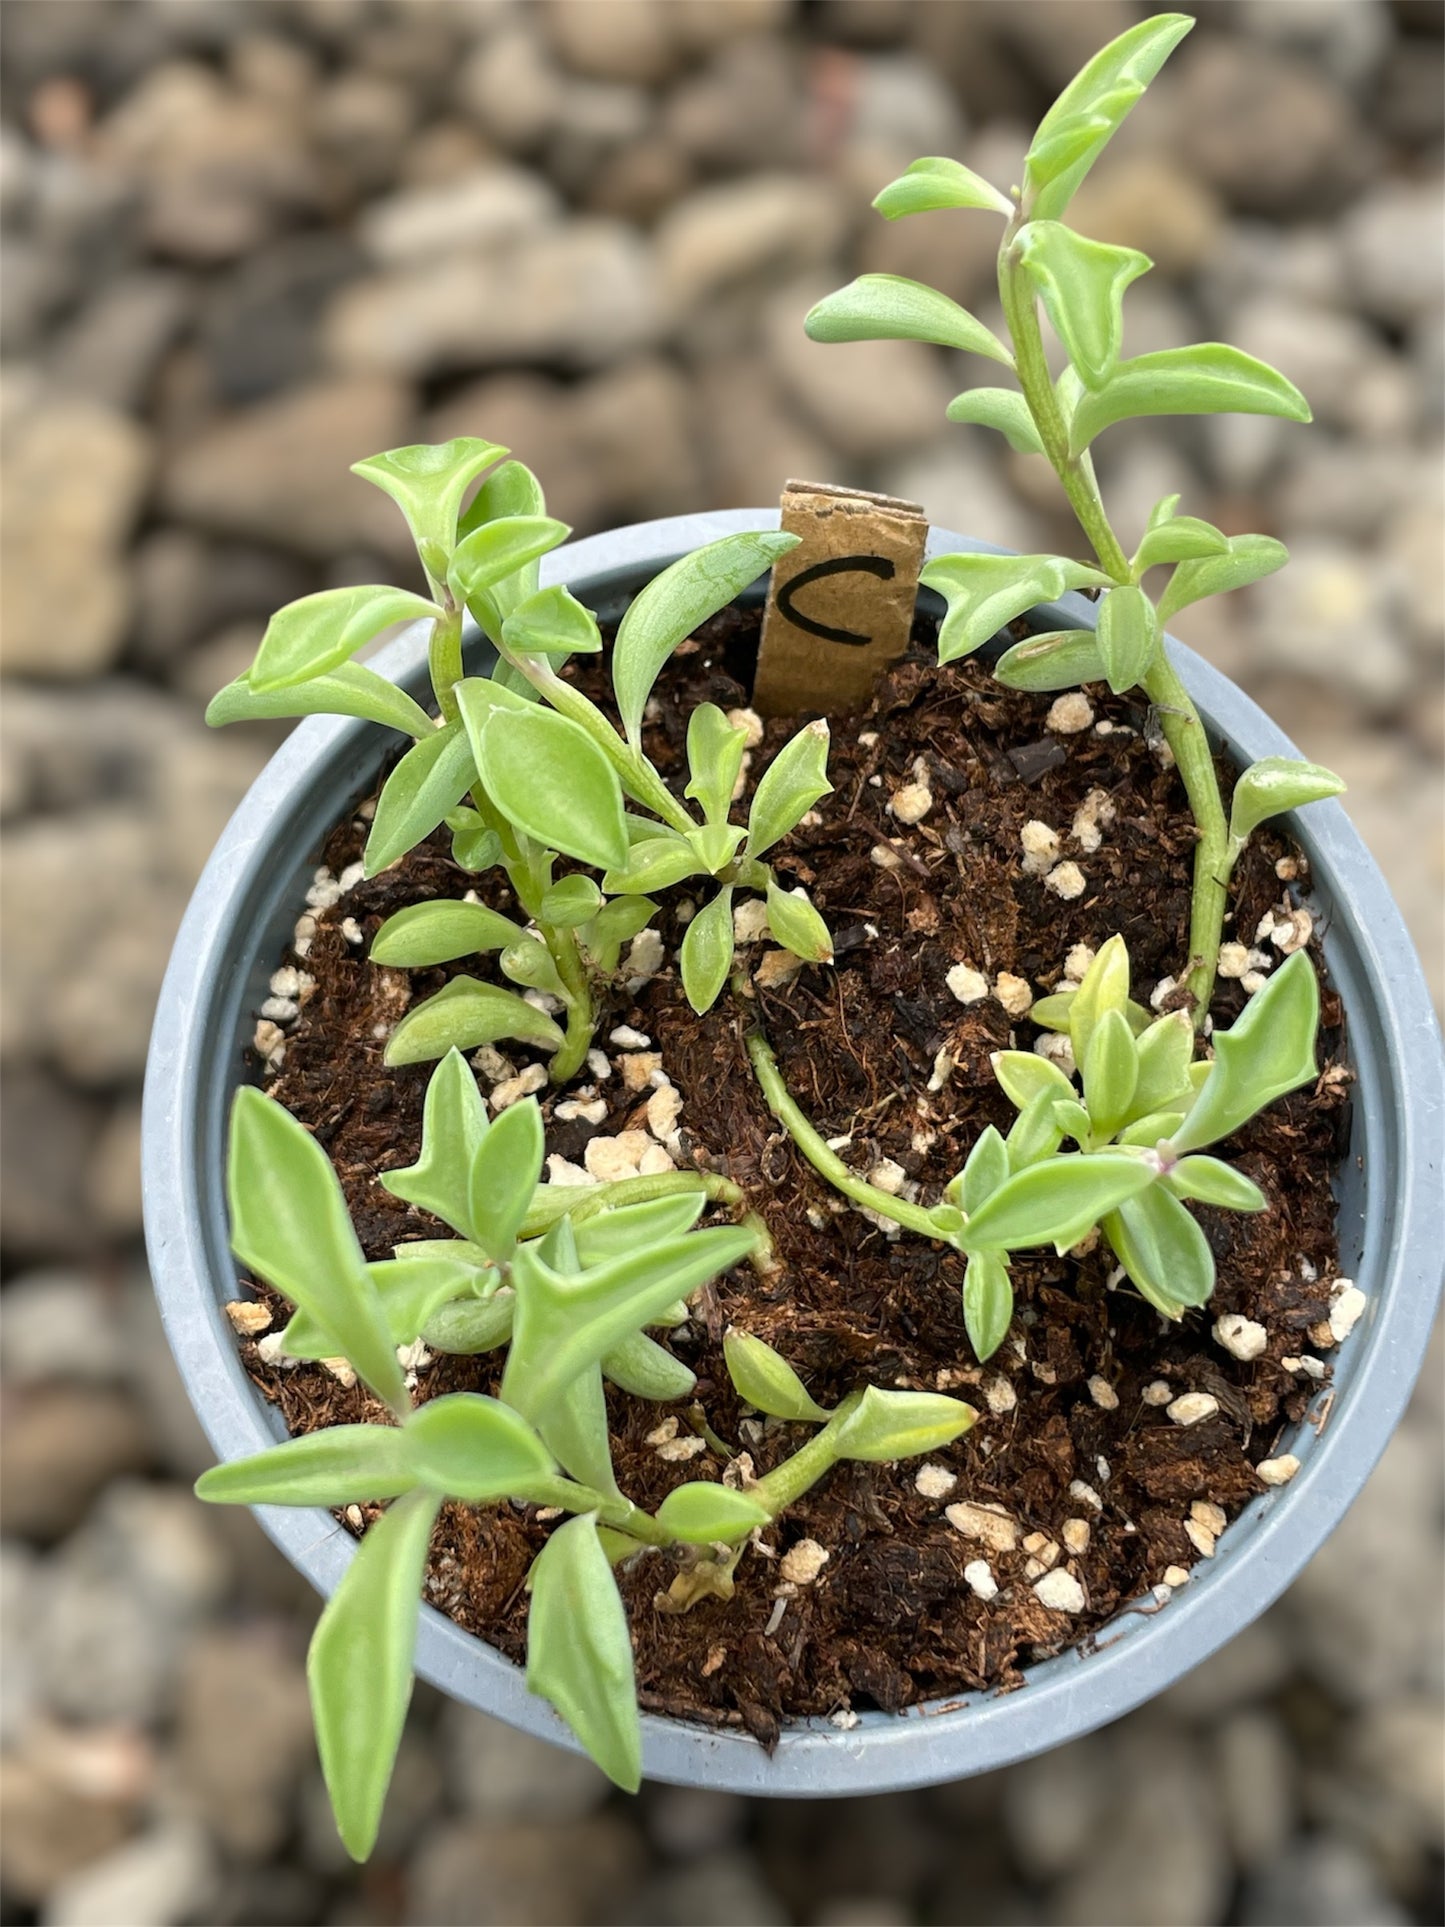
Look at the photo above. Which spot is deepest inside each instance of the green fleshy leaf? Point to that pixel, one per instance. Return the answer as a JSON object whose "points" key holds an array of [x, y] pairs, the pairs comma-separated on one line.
{"points": [[986, 1168], [528, 962], [319, 632], [716, 845], [1210, 1181], [889, 307], [1086, 115], [1151, 1130], [884, 1426], [429, 781], [469, 1447], [1209, 378], [1250, 557], [988, 1302], [765, 1380], [341, 1465], [1182, 538], [706, 955], [1105, 987], [573, 901], [674, 603], [703, 1514], [350, 689], [985, 593], [1275, 784], [427, 482], [1111, 1073], [463, 1016], [938, 182], [433, 933], [360, 1666], [1036, 1133], [1060, 659], [1056, 1202], [474, 846], [1268, 1050], [546, 775], [618, 1229], [567, 1323], [1022, 1074], [797, 926], [714, 759], [454, 1124], [1165, 1051], [1073, 1120], [656, 864], [493, 554], [413, 1290], [505, 1168], [552, 622], [1081, 283], [469, 1326], [615, 924], [647, 1370], [1163, 1250], [574, 1426], [290, 1224], [1002, 409], [791, 784], [510, 489], [1127, 635], [579, 1650]]}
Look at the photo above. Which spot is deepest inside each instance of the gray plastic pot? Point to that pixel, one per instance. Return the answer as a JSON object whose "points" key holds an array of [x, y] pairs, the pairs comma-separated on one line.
{"points": [[234, 932]]}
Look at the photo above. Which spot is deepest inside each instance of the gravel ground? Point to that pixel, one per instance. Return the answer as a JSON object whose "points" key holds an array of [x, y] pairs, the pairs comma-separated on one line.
{"points": [[249, 242]]}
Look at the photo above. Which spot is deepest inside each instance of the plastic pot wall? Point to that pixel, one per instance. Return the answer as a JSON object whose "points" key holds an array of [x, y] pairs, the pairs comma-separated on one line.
{"points": [[234, 933]]}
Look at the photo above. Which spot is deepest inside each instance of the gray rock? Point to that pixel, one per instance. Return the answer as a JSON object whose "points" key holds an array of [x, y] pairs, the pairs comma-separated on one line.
{"points": [[1347, 37], [1394, 244], [47, 1138], [162, 1879], [1253, 1665], [260, 332], [61, 1324], [1341, 487], [476, 210], [21, 1600], [361, 123], [864, 1910], [1146, 200], [1273, 133], [55, 1823], [1055, 1806], [687, 1821], [62, 1444], [1159, 1860], [124, 1595], [1335, 615], [1323, 1881], [582, 295], [1397, 1753], [112, 350], [243, 1736], [412, 1799], [604, 119], [724, 1889], [739, 113], [278, 473], [870, 398], [470, 1873], [755, 439], [75, 475], [499, 1774], [901, 104], [745, 233], [513, 89], [627, 40], [221, 169], [963, 489], [1254, 1770], [1334, 358], [113, 1182]]}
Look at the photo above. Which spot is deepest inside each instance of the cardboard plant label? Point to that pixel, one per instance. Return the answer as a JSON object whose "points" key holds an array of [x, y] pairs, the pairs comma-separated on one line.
{"points": [[840, 606]]}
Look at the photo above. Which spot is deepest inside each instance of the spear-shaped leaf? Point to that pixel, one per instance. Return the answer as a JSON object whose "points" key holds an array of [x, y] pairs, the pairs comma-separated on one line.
{"points": [[340, 1465], [1000, 408], [1271, 786], [1082, 285], [1163, 1250], [1060, 659], [674, 603], [1055, 1202], [454, 1123], [985, 593], [1246, 560], [765, 1380], [797, 926], [1209, 378], [1180, 538], [434, 933], [350, 689], [470, 1447], [427, 482], [290, 1224], [463, 1016], [706, 955], [938, 182], [1268, 1050], [360, 1666], [791, 784], [552, 622], [705, 1513], [579, 1651], [547, 776], [1127, 633], [429, 781], [505, 1168], [988, 1302], [889, 307], [884, 1426], [316, 634]]}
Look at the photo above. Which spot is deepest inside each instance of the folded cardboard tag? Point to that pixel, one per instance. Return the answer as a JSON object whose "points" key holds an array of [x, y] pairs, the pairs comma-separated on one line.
{"points": [[840, 605]]}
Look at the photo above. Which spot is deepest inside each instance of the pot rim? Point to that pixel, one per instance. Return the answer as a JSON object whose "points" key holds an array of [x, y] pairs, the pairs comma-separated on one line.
{"points": [[1399, 1118]]}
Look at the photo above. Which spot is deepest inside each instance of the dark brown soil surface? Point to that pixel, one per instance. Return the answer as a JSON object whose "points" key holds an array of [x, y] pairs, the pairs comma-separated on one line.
{"points": [[890, 1621]]}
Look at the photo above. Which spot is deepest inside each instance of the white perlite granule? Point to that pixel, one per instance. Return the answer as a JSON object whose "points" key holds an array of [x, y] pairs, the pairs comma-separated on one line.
{"points": [[1066, 881], [1156, 1392], [801, 1564], [1069, 714], [1103, 1394], [1278, 1471], [1241, 1337], [911, 803], [1346, 1309], [750, 921], [989, 1524], [1093, 816], [1013, 993], [1193, 1408], [1056, 1047], [934, 1481], [1076, 1534], [1040, 847], [1060, 1591], [978, 1577], [1233, 960], [969, 986]]}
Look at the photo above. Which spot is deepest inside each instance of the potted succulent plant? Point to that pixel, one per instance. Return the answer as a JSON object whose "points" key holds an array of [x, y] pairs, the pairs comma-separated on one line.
{"points": [[1007, 1308]]}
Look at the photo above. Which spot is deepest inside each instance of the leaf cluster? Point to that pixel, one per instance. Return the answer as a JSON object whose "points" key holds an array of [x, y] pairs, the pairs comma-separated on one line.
{"points": [[569, 1281]]}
